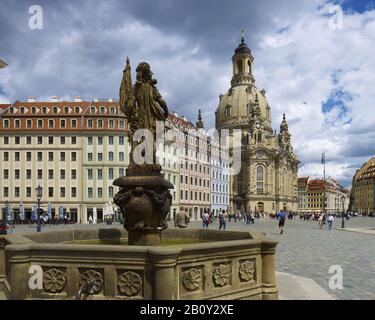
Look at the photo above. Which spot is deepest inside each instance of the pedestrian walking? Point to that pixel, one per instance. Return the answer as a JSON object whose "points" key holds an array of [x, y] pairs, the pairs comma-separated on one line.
{"points": [[320, 220], [223, 217], [282, 216], [90, 219], [330, 220], [252, 217], [205, 219]]}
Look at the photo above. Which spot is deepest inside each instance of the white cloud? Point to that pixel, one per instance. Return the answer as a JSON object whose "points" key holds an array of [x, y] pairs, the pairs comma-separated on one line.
{"points": [[297, 65]]}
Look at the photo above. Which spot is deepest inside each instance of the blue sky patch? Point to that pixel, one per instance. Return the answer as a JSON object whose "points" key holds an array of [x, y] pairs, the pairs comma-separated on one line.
{"points": [[338, 99]]}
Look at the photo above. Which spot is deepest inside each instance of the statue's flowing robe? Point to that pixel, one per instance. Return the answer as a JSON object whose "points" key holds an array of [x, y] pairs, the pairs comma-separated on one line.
{"points": [[149, 109]]}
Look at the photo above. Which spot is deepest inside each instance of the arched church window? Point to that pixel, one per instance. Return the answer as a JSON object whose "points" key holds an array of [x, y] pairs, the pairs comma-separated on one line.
{"points": [[260, 179], [249, 66], [228, 111], [259, 137], [239, 66]]}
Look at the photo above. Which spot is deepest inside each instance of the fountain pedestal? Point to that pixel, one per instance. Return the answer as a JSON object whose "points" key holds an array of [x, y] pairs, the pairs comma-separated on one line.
{"points": [[144, 200]]}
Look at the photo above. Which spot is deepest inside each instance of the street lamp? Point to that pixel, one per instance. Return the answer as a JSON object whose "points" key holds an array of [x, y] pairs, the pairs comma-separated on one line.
{"points": [[342, 214], [39, 193]]}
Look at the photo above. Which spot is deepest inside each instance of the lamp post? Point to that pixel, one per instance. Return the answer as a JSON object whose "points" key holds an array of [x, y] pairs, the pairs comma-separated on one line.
{"points": [[324, 181], [39, 193], [6, 211], [342, 214]]}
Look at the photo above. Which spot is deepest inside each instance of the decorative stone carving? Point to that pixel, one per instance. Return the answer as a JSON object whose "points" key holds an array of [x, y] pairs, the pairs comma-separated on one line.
{"points": [[129, 283], [192, 279], [246, 270], [221, 274], [94, 276], [54, 280]]}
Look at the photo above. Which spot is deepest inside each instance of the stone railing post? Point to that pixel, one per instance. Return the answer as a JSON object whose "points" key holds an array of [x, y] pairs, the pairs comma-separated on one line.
{"points": [[164, 263], [268, 249]]}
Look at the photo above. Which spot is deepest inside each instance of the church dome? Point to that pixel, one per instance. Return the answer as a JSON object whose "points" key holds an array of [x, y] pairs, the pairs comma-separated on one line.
{"points": [[242, 48], [243, 99], [235, 107]]}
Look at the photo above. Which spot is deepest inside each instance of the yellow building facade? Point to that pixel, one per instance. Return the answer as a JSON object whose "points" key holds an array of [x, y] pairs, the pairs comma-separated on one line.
{"points": [[363, 189]]}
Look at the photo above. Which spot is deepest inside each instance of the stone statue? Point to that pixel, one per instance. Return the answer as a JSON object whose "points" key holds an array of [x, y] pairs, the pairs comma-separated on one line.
{"points": [[144, 197], [142, 104]]}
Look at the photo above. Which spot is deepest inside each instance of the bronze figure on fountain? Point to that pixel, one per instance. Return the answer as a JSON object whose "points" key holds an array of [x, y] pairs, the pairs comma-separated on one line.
{"points": [[144, 197]]}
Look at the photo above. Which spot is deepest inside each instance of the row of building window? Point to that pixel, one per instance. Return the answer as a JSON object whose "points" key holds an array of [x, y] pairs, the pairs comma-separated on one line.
{"points": [[17, 156], [220, 200], [63, 175], [50, 194], [194, 181], [99, 173], [219, 188], [51, 140], [195, 167], [197, 196], [220, 176], [62, 139], [29, 175], [45, 110], [111, 140], [51, 123], [111, 156]]}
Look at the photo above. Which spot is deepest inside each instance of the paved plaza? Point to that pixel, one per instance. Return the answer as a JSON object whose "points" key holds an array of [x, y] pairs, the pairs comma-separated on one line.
{"points": [[306, 251]]}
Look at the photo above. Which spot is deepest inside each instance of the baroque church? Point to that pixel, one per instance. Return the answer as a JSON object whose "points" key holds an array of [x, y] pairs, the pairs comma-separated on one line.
{"points": [[267, 181]]}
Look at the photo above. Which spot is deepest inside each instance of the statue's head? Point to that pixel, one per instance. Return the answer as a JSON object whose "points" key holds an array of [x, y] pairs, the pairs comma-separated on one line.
{"points": [[144, 72]]}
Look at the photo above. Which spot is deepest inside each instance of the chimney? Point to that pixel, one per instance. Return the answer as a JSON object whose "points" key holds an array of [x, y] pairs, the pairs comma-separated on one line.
{"points": [[96, 100], [54, 99], [110, 100], [78, 99], [175, 114], [31, 99]]}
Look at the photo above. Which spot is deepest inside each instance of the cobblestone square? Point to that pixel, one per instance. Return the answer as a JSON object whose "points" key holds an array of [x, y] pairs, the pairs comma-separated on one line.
{"points": [[305, 250]]}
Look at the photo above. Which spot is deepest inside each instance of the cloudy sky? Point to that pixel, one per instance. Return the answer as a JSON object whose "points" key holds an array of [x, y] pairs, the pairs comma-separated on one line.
{"points": [[316, 67]]}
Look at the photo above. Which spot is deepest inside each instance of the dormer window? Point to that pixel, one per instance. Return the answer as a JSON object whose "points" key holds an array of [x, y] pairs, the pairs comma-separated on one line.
{"points": [[102, 110], [33, 110]]}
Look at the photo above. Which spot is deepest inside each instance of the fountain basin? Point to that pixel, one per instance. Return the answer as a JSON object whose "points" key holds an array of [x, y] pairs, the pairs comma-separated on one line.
{"points": [[200, 264]]}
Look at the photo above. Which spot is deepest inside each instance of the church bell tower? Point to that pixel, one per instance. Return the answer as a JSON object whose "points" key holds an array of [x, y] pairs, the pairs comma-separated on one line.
{"points": [[242, 61]]}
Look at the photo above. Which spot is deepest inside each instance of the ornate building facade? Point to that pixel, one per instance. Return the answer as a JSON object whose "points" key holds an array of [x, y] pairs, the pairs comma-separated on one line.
{"points": [[363, 189], [267, 180]]}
